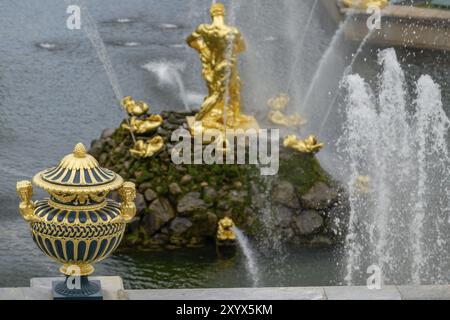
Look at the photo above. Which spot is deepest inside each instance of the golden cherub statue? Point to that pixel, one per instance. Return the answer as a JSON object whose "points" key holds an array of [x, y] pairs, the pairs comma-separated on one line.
{"points": [[147, 149], [144, 126], [276, 116], [219, 45], [225, 230], [364, 4], [309, 145], [134, 108]]}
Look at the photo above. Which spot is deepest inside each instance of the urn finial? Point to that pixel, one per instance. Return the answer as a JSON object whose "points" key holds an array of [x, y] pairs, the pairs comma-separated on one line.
{"points": [[80, 150]]}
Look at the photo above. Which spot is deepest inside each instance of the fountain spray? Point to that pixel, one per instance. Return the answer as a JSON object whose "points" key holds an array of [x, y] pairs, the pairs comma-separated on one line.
{"points": [[91, 31]]}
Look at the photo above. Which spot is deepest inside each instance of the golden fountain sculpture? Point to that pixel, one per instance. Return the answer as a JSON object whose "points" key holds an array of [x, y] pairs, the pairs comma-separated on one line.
{"points": [[140, 123], [309, 145], [134, 108], [147, 149], [362, 185], [225, 232], [277, 105], [140, 127], [364, 4], [226, 239], [219, 46], [77, 225]]}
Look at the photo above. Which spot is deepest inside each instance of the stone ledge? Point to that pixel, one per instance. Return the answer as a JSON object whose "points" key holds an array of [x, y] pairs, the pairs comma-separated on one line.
{"points": [[113, 290], [362, 293], [311, 293], [439, 292]]}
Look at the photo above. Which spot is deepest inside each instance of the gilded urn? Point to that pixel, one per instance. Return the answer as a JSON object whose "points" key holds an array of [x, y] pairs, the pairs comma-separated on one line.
{"points": [[77, 225]]}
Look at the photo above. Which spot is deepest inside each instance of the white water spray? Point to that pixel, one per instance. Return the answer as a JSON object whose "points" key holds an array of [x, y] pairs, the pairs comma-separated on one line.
{"points": [[325, 59], [251, 263], [168, 74], [401, 222], [347, 71]]}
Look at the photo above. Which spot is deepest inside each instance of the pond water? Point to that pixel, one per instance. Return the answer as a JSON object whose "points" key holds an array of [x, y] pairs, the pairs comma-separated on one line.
{"points": [[54, 93]]}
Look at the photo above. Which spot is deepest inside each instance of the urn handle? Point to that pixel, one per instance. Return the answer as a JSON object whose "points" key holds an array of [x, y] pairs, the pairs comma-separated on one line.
{"points": [[128, 194], [25, 192]]}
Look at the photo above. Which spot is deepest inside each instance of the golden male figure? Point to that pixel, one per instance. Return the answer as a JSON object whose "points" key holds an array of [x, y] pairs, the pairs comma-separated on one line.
{"points": [[219, 45]]}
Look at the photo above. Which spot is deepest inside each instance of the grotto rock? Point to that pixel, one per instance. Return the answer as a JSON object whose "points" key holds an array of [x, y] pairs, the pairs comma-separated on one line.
{"points": [[211, 224], [191, 202], [140, 203], [160, 239], [283, 192], [186, 179], [175, 189], [96, 148], [160, 213], [284, 216], [150, 195], [321, 240], [209, 194], [320, 196], [237, 197], [144, 186], [180, 225], [308, 222], [103, 157], [107, 133]]}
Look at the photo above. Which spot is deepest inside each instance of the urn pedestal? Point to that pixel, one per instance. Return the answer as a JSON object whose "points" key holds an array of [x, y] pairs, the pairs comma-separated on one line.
{"points": [[77, 225]]}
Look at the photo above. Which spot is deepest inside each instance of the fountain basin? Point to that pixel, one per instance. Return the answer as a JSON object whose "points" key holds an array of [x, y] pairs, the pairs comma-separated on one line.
{"points": [[409, 26]]}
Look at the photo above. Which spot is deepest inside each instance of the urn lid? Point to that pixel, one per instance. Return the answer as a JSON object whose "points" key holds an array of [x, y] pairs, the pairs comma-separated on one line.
{"points": [[78, 173]]}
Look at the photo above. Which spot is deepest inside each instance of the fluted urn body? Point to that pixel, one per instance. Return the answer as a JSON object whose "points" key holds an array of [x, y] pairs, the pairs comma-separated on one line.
{"points": [[77, 225]]}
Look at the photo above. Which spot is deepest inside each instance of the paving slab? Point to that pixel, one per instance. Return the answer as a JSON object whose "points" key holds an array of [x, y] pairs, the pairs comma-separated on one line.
{"points": [[36, 294], [11, 294], [307, 293], [440, 292], [362, 293]]}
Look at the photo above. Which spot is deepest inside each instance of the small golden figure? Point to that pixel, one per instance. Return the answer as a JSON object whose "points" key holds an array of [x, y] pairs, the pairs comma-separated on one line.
{"points": [[362, 184], [147, 149], [128, 194], [309, 145], [225, 230], [144, 126], [219, 46], [25, 193], [364, 4], [276, 116], [134, 108]]}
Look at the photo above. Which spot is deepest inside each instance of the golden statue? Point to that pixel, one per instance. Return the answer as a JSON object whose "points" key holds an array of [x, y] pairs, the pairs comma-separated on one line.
{"points": [[276, 116], [134, 108], [144, 126], [147, 149], [364, 4], [362, 184], [309, 145], [225, 230], [219, 45]]}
